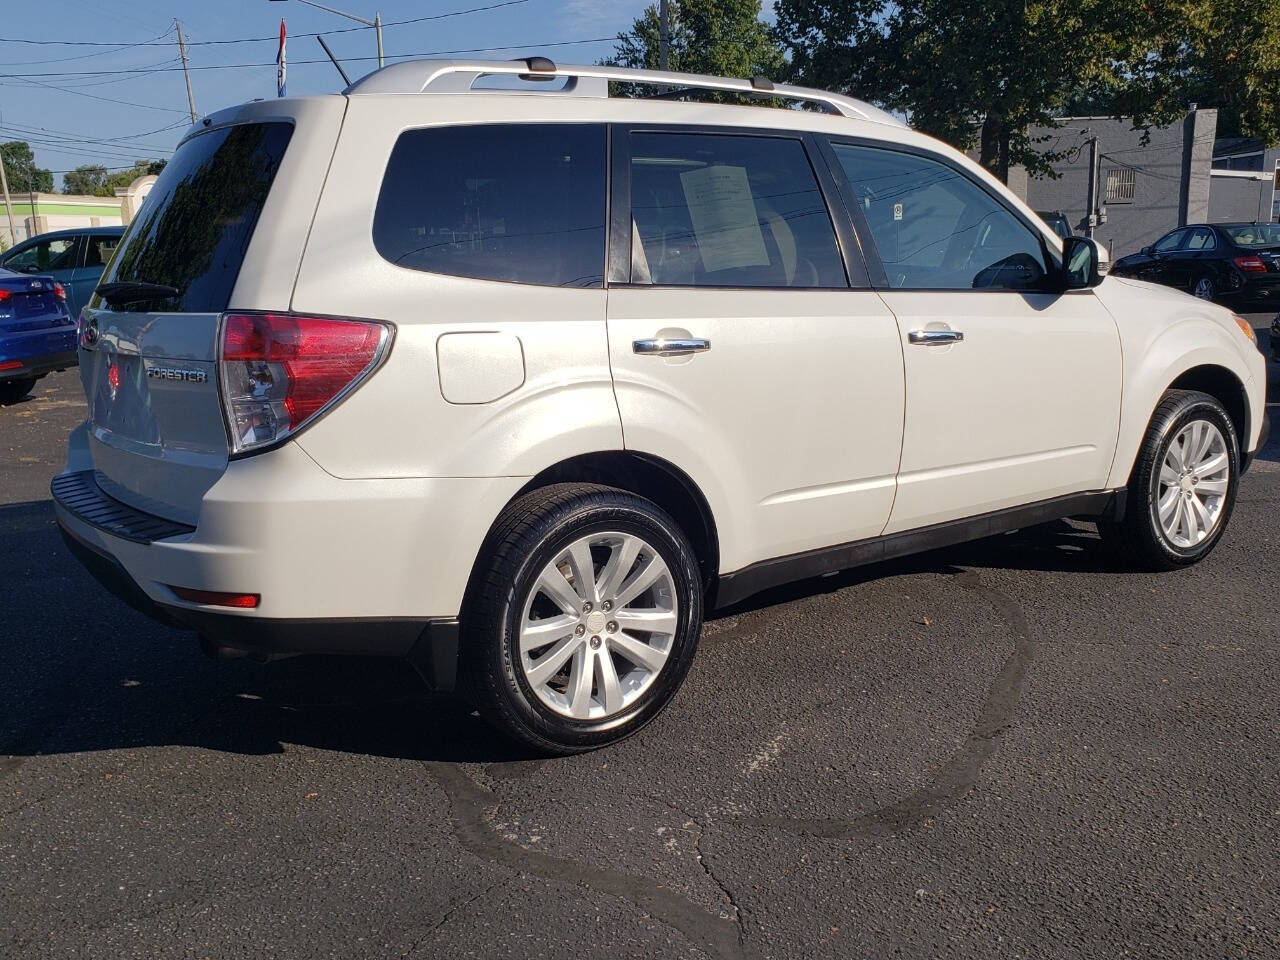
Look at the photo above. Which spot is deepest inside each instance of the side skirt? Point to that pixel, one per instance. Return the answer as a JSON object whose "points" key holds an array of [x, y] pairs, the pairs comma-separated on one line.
{"points": [[734, 587]]}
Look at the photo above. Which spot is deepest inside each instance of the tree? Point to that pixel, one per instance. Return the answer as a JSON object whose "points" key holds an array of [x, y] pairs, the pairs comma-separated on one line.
{"points": [[89, 179], [980, 74], [1217, 53], [725, 38], [94, 180], [21, 170]]}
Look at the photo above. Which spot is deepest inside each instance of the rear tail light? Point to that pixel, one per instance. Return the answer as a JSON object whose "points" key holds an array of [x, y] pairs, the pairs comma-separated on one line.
{"points": [[279, 371], [1251, 264], [217, 598], [6, 296], [60, 292]]}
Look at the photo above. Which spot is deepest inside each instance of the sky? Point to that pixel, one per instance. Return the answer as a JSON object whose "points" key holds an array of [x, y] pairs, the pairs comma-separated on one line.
{"points": [[133, 110]]}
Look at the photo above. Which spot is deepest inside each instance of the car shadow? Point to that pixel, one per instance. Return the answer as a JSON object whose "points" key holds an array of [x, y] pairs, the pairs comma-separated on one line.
{"points": [[86, 673]]}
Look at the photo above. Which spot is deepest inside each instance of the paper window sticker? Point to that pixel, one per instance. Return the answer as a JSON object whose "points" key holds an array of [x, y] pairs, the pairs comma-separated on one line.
{"points": [[725, 222]]}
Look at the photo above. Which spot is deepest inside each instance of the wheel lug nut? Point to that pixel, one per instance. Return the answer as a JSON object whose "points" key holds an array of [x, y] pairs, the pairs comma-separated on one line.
{"points": [[579, 630], [595, 643], [608, 605], [586, 607], [612, 626]]}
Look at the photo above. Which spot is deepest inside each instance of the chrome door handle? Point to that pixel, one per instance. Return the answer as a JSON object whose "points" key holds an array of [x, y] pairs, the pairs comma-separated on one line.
{"points": [[934, 337], [662, 347]]}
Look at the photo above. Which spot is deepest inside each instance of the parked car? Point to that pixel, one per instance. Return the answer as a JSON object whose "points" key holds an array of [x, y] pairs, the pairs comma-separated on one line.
{"points": [[594, 365], [1057, 221], [37, 334], [1235, 263], [75, 258]]}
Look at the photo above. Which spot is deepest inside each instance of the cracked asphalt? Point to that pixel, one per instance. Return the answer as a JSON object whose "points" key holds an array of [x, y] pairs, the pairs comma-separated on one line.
{"points": [[1004, 749]]}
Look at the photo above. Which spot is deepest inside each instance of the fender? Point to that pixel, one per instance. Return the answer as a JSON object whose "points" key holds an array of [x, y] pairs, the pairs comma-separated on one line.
{"points": [[1160, 345]]}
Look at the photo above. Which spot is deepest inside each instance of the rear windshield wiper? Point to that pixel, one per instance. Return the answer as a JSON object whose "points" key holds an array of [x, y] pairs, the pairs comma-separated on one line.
{"points": [[135, 291]]}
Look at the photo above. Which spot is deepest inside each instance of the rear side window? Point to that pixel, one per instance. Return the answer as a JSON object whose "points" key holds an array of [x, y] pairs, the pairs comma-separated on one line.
{"points": [[100, 249], [516, 202], [196, 225], [729, 211]]}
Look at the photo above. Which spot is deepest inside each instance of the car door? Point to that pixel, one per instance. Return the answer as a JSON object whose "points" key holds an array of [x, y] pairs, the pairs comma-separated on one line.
{"points": [[740, 352], [1160, 268], [1185, 265], [1013, 391], [95, 253], [50, 257]]}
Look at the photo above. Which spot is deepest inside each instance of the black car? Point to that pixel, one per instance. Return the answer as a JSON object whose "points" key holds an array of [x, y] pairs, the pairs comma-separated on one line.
{"points": [[1235, 263], [1057, 221]]}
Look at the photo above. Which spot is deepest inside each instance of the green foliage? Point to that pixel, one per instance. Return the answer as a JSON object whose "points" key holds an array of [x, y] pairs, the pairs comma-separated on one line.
{"points": [[978, 74], [94, 180], [20, 168], [725, 38]]}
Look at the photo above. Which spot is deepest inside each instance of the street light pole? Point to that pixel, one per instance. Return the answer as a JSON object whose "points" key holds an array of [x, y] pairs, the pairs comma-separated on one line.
{"points": [[376, 22]]}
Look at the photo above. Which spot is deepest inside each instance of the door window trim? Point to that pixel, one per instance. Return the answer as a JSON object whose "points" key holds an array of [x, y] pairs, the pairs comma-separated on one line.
{"points": [[618, 270], [866, 239]]}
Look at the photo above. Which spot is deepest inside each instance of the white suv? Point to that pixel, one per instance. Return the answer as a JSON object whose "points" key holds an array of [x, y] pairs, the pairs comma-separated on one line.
{"points": [[479, 365]]}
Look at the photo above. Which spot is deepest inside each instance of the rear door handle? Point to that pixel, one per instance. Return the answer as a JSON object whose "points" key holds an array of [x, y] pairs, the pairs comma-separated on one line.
{"points": [[933, 338], [663, 347]]}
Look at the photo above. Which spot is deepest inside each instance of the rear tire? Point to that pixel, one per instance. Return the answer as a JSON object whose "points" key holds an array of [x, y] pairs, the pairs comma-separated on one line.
{"points": [[11, 391], [1183, 486], [563, 660], [1205, 288]]}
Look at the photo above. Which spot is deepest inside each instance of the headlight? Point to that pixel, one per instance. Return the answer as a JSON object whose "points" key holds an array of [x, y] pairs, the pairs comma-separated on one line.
{"points": [[1246, 328]]}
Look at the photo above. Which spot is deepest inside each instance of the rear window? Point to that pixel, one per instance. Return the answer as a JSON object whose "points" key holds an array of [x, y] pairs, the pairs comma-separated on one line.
{"points": [[516, 202], [194, 229], [1255, 235]]}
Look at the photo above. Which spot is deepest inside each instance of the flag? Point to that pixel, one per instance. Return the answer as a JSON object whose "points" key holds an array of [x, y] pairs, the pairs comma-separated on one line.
{"points": [[280, 63]]}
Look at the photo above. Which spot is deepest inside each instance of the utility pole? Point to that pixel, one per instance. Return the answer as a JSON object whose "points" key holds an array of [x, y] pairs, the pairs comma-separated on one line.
{"points": [[8, 204], [664, 35], [1091, 214], [182, 51], [377, 28]]}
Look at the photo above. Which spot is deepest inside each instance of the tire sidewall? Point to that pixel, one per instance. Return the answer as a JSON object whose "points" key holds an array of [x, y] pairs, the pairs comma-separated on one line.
{"points": [[624, 514], [1195, 407]]}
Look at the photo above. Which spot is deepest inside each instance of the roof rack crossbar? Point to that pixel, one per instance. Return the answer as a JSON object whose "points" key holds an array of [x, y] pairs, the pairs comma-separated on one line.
{"points": [[460, 76]]}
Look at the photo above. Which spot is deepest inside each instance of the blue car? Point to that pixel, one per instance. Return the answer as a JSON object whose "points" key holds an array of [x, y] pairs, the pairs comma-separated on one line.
{"points": [[37, 332], [75, 258]]}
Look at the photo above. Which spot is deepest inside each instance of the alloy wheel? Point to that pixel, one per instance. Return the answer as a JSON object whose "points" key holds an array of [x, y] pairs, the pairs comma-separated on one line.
{"points": [[598, 625], [1204, 288], [1193, 483]]}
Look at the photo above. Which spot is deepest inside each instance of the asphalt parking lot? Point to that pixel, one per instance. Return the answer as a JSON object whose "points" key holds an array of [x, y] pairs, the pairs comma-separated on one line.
{"points": [[1004, 749]]}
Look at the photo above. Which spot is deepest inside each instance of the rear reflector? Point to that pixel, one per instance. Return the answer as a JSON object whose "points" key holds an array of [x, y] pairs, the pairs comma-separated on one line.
{"points": [[279, 371], [216, 598], [1251, 264], [6, 295], [10, 365]]}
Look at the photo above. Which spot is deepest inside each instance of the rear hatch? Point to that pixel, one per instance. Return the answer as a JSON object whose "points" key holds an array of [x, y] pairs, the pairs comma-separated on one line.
{"points": [[148, 344]]}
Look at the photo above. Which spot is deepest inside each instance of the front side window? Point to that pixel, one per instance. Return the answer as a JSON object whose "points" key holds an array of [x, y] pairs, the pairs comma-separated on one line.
{"points": [[935, 229], [1170, 242], [729, 211], [47, 255], [518, 202]]}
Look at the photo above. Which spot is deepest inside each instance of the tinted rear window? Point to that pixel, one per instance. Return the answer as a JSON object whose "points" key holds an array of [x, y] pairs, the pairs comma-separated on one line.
{"points": [[195, 226], [516, 202]]}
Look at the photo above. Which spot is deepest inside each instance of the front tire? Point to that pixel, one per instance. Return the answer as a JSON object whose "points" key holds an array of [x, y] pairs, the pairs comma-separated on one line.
{"points": [[582, 617], [1205, 288], [1183, 486]]}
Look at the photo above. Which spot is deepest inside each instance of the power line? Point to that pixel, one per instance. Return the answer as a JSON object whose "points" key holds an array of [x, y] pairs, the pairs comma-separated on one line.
{"points": [[91, 96], [85, 56], [200, 43], [67, 134], [236, 66]]}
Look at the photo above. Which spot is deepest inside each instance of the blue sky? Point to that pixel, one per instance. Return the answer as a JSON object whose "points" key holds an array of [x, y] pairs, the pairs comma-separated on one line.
{"points": [[31, 110]]}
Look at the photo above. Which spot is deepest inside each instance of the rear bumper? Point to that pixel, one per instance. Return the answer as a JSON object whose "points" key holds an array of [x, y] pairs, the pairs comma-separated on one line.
{"points": [[431, 644], [38, 366]]}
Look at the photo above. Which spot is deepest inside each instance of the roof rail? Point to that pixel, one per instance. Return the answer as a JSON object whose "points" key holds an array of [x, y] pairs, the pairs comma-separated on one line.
{"points": [[460, 76]]}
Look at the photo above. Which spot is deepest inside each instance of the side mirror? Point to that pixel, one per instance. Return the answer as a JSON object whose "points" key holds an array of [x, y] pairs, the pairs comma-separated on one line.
{"points": [[1149, 249], [1082, 263]]}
